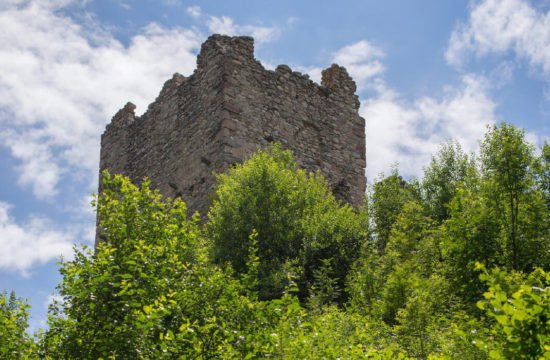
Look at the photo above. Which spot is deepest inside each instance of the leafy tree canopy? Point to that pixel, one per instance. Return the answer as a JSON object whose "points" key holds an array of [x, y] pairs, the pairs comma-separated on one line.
{"points": [[454, 266], [297, 219]]}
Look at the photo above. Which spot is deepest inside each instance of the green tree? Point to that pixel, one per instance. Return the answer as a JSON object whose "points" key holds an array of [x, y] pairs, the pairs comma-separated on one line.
{"points": [[497, 216], [446, 171], [365, 281], [508, 165], [157, 285], [380, 285], [543, 172], [519, 306], [388, 197], [148, 291], [15, 342], [470, 235], [455, 335], [333, 333], [423, 313], [405, 263], [296, 219]]}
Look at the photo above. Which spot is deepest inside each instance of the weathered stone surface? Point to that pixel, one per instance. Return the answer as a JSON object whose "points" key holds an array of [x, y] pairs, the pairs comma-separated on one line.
{"points": [[230, 107]]}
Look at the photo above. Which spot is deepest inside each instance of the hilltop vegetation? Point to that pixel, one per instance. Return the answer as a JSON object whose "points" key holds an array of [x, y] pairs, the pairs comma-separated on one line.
{"points": [[452, 266]]}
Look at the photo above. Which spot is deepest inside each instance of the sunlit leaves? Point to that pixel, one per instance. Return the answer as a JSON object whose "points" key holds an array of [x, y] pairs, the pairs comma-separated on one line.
{"points": [[15, 343], [521, 314], [294, 217]]}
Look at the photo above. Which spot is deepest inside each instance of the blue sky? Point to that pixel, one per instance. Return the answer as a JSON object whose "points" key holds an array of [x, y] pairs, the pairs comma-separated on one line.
{"points": [[427, 71]]}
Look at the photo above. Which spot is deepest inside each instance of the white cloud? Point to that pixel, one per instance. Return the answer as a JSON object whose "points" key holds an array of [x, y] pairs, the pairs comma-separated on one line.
{"points": [[60, 82], [84, 215], [226, 26], [38, 169], [362, 60], [501, 74], [194, 11], [314, 72], [409, 132], [500, 26], [221, 25], [33, 242]]}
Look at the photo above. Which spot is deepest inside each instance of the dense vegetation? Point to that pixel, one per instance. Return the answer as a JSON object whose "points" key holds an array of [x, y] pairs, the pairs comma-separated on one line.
{"points": [[453, 266]]}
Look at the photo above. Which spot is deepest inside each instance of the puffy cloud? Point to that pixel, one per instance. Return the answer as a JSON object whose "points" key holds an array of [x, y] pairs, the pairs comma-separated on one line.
{"points": [[225, 25], [362, 60], [38, 168], [194, 11], [314, 72], [33, 242], [500, 26], [410, 131], [60, 82]]}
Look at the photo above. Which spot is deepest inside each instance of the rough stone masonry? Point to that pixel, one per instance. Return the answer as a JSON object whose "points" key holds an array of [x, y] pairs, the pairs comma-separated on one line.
{"points": [[227, 109]]}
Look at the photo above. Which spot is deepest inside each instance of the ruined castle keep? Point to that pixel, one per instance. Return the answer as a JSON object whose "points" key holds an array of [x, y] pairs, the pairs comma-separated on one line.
{"points": [[227, 109]]}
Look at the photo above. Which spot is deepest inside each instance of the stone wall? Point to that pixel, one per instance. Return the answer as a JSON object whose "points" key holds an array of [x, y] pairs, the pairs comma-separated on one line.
{"points": [[230, 107]]}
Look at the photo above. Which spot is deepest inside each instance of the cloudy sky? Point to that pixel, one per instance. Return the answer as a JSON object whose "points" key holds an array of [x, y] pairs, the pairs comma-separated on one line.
{"points": [[427, 71]]}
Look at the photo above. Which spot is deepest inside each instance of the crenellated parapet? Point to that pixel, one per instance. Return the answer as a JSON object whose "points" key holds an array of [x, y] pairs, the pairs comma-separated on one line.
{"points": [[124, 116], [336, 79], [220, 48], [227, 109]]}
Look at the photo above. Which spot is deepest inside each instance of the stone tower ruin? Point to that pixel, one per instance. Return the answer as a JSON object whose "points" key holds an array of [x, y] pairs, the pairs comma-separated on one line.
{"points": [[227, 109]]}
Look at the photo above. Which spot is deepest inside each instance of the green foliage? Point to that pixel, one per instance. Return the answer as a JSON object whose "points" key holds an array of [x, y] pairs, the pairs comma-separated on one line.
{"points": [[400, 264], [447, 169], [388, 197], [419, 320], [296, 219], [148, 290], [379, 281], [470, 235], [333, 334], [310, 278], [507, 158], [364, 281], [509, 170], [15, 343], [111, 295], [497, 217], [325, 289], [458, 337], [381, 285], [520, 308], [543, 172]]}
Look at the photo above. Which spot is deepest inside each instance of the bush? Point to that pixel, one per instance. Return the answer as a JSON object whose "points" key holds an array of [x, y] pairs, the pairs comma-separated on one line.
{"points": [[297, 221]]}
